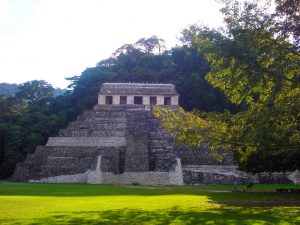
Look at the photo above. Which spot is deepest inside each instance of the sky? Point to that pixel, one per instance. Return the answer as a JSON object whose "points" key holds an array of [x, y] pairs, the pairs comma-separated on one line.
{"points": [[54, 39]]}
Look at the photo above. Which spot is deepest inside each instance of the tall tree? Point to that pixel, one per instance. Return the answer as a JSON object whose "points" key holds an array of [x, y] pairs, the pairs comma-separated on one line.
{"points": [[252, 63], [35, 90], [149, 45], [288, 12]]}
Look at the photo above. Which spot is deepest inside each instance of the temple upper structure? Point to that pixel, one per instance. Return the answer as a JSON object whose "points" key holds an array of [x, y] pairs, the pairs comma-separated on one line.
{"points": [[137, 94]]}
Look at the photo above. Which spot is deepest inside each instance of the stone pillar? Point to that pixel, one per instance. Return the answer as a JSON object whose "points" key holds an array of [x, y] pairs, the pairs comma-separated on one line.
{"points": [[116, 99], [146, 100], [130, 99], [101, 99], [174, 100], [160, 100]]}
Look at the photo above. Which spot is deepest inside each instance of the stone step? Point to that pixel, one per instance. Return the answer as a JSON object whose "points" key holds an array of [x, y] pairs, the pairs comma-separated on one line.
{"points": [[26, 171], [91, 129], [160, 135], [51, 171], [155, 143], [200, 156], [110, 133], [145, 178], [86, 141], [99, 125], [104, 114], [90, 133], [103, 120], [61, 161], [119, 107], [75, 151], [211, 168], [116, 127], [158, 150], [45, 148], [29, 157], [47, 161]]}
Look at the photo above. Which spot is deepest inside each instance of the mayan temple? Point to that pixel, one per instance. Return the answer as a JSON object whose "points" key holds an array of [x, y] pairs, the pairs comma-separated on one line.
{"points": [[119, 142]]}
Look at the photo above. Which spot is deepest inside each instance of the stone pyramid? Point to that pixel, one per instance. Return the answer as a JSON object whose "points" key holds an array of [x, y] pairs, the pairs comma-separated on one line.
{"points": [[109, 144], [120, 142]]}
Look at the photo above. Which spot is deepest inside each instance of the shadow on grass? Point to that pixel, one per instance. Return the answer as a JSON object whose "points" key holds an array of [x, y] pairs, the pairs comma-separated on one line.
{"points": [[174, 215]]}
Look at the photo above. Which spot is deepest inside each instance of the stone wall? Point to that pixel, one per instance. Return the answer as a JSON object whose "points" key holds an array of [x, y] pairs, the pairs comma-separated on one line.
{"points": [[130, 99], [49, 161], [97, 176], [201, 156], [213, 174], [226, 174]]}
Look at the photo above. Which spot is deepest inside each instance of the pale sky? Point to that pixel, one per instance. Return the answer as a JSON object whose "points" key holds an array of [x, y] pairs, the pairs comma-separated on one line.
{"points": [[53, 39]]}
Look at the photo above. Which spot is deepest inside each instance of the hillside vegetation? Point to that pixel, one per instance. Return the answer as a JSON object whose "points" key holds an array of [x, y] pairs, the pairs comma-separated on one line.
{"points": [[8, 90]]}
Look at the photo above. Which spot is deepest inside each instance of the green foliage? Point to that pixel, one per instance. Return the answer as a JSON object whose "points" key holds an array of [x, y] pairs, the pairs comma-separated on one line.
{"points": [[183, 66], [194, 128], [27, 121], [289, 17], [252, 64], [149, 45], [35, 90]]}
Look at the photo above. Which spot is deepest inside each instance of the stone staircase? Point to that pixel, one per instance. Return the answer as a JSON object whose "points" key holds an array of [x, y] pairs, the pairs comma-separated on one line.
{"points": [[161, 149], [128, 139], [101, 131]]}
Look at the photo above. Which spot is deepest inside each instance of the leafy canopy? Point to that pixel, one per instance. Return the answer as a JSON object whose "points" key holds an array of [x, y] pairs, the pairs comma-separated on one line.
{"points": [[253, 64]]}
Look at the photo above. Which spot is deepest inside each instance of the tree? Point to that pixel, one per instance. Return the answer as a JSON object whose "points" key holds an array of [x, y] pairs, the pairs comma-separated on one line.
{"points": [[149, 45], [288, 12], [251, 63], [11, 107], [35, 90]]}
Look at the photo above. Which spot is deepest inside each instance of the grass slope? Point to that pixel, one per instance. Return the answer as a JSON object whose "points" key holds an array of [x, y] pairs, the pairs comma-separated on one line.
{"points": [[108, 204]]}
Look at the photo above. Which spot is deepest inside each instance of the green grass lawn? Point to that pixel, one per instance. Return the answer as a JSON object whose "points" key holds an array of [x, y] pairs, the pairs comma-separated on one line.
{"points": [[108, 204]]}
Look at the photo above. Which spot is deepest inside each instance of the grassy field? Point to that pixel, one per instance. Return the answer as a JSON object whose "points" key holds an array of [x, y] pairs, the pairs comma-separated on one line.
{"points": [[108, 204]]}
